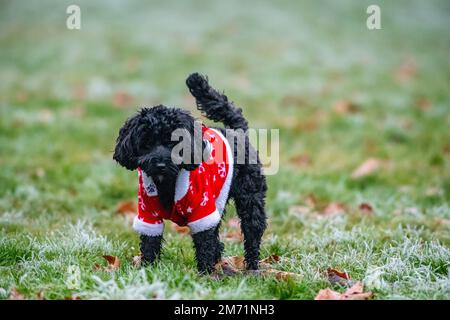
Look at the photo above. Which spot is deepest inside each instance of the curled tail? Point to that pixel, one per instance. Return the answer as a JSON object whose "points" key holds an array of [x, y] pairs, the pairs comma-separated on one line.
{"points": [[214, 105]]}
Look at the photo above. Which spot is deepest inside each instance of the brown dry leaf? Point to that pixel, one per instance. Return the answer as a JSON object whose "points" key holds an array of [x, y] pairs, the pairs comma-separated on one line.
{"points": [[406, 71], [271, 259], [366, 168], [342, 278], [334, 208], [233, 230], [328, 294], [345, 107], [311, 201], [280, 275], [443, 222], [233, 235], [127, 207], [122, 99], [40, 295], [234, 223], [365, 208], [299, 210], [16, 295], [178, 229], [301, 160], [235, 264], [294, 100], [72, 297], [22, 96], [137, 260], [113, 264], [355, 292], [423, 103]]}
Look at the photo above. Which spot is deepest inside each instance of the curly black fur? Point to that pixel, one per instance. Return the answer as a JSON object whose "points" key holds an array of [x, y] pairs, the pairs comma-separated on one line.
{"points": [[150, 248], [215, 106], [208, 249], [145, 141]]}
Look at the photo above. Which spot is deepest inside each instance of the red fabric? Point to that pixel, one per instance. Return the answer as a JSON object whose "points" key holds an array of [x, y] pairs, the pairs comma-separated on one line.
{"points": [[202, 187]]}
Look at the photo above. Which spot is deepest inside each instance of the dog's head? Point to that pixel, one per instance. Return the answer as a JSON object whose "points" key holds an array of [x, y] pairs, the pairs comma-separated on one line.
{"points": [[145, 141]]}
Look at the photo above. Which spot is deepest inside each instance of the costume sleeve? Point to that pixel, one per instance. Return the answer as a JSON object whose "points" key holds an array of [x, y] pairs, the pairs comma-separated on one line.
{"points": [[148, 220]]}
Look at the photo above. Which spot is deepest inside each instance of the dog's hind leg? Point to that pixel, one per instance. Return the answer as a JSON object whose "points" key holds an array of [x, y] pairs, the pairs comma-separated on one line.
{"points": [[214, 105], [249, 194]]}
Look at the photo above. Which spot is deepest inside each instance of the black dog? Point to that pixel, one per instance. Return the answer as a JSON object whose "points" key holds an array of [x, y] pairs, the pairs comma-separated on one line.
{"points": [[145, 143]]}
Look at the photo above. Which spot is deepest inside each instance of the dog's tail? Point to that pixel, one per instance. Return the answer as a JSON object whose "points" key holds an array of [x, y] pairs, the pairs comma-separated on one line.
{"points": [[214, 105]]}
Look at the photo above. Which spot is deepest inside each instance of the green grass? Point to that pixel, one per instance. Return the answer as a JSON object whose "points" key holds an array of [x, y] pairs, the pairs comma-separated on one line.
{"points": [[287, 65]]}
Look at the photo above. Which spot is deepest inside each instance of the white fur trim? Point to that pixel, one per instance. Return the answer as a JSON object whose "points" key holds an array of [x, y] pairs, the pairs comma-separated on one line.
{"points": [[205, 223], [182, 184], [221, 200], [148, 229], [149, 185]]}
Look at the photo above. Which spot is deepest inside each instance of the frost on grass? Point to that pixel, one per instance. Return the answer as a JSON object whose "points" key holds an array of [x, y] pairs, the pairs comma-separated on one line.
{"points": [[76, 244], [136, 287], [78, 238]]}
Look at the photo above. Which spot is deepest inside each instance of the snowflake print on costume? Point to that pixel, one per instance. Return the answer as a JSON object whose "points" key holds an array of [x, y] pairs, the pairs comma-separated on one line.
{"points": [[200, 195]]}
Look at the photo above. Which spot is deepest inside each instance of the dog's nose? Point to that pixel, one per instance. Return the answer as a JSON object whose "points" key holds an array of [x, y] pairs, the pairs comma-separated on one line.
{"points": [[160, 165]]}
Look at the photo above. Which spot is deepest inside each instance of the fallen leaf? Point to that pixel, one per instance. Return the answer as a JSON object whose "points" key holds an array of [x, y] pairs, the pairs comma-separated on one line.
{"points": [[355, 292], [423, 103], [233, 230], [328, 294], [301, 160], [178, 229], [271, 259], [40, 295], [137, 260], [122, 99], [280, 275], [233, 235], [444, 222], [15, 295], [234, 264], [293, 100], [311, 201], [299, 210], [334, 208], [338, 277], [113, 264], [406, 71], [368, 167], [345, 107], [127, 207], [72, 297], [234, 223], [366, 208]]}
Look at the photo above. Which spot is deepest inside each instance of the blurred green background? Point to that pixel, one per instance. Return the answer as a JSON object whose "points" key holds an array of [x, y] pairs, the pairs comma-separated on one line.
{"points": [[339, 93]]}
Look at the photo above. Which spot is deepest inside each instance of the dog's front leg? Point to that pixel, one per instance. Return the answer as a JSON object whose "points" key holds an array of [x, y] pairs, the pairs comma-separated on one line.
{"points": [[208, 249], [150, 248]]}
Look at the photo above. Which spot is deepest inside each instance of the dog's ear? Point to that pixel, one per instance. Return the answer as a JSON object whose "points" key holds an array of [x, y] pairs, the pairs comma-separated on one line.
{"points": [[124, 153]]}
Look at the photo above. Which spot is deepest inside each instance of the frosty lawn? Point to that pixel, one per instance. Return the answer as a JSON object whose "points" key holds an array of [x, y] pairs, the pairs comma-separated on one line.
{"points": [[339, 93]]}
